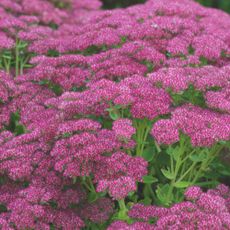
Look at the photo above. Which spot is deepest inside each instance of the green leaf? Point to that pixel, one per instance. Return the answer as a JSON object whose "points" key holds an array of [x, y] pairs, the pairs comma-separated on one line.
{"points": [[168, 54], [65, 135], [15, 117], [162, 194], [27, 65], [3, 208], [114, 116], [167, 174], [43, 82], [148, 154], [9, 57], [191, 50], [102, 194], [207, 184], [182, 184], [223, 142], [22, 44], [149, 179], [197, 157], [20, 129], [131, 194], [52, 53], [92, 197], [225, 172], [169, 150], [146, 201], [74, 180], [123, 39], [52, 227], [176, 154], [152, 220], [203, 61], [56, 89]]}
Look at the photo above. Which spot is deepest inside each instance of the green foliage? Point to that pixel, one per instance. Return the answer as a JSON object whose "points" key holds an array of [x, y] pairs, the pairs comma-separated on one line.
{"points": [[62, 4], [111, 4], [148, 153], [221, 4], [54, 87], [14, 125], [190, 95], [3, 208], [53, 53], [149, 65], [16, 58], [94, 50], [149, 179]]}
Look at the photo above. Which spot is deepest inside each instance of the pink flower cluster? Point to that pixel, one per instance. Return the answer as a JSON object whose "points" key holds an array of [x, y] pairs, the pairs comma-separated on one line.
{"points": [[203, 79], [84, 65], [123, 129], [135, 93], [201, 210], [204, 126], [66, 71], [219, 100]]}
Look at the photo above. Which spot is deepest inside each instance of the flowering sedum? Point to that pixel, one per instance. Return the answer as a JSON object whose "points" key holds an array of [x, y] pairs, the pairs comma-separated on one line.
{"points": [[200, 211], [114, 119]]}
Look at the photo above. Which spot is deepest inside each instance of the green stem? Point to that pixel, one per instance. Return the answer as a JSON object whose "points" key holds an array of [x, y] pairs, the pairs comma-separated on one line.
{"points": [[205, 164], [190, 154], [122, 205], [151, 193], [146, 132], [122, 113], [157, 147], [123, 211], [142, 131], [176, 169], [17, 64], [7, 63], [91, 185], [87, 182], [23, 63], [86, 185], [188, 170], [21, 66], [129, 152], [172, 164]]}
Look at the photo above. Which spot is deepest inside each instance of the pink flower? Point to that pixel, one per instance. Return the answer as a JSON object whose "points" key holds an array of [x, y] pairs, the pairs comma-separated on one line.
{"points": [[193, 193], [165, 132], [117, 188], [123, 129]]}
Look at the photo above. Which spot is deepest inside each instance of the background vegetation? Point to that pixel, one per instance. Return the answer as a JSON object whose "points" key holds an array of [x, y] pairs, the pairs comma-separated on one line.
{"points": [[221, 4]]}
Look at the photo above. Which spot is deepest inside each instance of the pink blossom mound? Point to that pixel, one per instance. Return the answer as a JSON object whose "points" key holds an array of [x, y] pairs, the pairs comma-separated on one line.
{"points": [[123, 128], [204, 126], [202, 210], [79, 66]]}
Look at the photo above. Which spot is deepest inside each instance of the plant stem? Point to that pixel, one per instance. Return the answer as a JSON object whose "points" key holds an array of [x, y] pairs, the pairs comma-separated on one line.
{"points": [[17, 53], [123, 211], [91, 185], [142, 131], [87, 182], [188, 170], [175, 168], [204, 165]]}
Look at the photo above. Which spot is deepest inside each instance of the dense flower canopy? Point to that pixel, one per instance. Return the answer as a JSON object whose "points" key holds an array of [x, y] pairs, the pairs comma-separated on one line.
{"points": [[74, 79]]}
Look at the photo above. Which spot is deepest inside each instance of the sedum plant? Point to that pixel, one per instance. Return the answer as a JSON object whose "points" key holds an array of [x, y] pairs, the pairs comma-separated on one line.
{"points": [[113, 119]]}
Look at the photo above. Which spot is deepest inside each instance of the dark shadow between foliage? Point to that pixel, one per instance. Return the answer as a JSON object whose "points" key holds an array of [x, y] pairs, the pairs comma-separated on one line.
{"points": [[111, 4]]}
